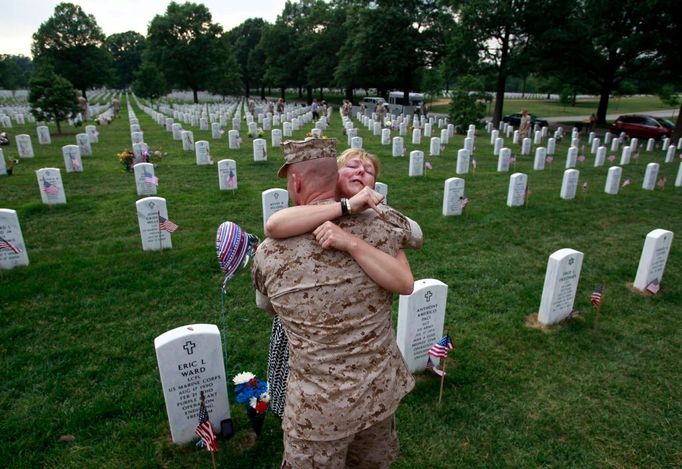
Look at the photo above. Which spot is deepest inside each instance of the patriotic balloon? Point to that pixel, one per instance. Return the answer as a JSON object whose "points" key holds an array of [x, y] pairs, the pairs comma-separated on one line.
{"points": [[234, 248]]}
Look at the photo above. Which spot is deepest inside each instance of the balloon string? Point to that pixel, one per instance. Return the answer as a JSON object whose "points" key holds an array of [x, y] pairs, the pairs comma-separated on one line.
{"points": [[223, 323]]}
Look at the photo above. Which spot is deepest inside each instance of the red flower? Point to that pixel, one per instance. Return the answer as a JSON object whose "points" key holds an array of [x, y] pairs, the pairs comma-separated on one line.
{"points": [[261, 407], [253, 382]]}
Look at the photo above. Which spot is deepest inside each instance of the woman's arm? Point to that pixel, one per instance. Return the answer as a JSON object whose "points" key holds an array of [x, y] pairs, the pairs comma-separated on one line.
{"points": [[293, 221], [391, 273]]}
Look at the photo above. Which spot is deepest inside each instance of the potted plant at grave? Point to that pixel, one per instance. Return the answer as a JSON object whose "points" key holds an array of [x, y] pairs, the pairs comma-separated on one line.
{"points": [[255, 394], [126, 158]]}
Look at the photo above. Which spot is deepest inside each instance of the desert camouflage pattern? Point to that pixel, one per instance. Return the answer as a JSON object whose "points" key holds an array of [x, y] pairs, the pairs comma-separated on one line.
{"points": [[346, 372], [296, 151]]}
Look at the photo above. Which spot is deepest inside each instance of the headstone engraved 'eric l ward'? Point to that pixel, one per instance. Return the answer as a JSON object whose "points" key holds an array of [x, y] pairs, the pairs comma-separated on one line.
{"points": [[273, 200], [190, 360], [149, 211], [421, 317], [653, 259], [12, 239], [561, 284]]}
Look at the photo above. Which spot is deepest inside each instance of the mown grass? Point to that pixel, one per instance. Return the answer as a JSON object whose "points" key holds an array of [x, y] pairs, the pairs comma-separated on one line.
{"points": [[78, 324]]}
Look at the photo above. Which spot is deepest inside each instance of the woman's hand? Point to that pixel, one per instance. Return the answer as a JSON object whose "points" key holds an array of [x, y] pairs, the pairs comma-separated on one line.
{"points": [[366, 198], [329, 235]]}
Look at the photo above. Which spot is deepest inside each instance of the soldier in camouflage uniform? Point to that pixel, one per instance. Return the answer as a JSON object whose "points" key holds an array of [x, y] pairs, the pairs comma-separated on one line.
{"points": [[346, 374]]}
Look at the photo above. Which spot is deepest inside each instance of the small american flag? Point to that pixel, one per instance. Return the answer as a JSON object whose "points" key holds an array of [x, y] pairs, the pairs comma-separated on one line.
{"points": [[549, 159], [653, 287], [231, 181], [626, 183], [512, 160], [204, 430], [167, 225], [464, 201], [7, 246], [474, 163], [661, 182], [431, 366], [596, 297], [635, 156], [581, 158], [526, 193], [586, 186], [428, 165], [50, 188], [150, 179], [75, 164], [611, 158], [440, 348]]}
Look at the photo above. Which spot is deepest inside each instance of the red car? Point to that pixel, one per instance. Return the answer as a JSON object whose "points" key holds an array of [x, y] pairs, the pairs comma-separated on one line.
{"points": [[643, 126]]}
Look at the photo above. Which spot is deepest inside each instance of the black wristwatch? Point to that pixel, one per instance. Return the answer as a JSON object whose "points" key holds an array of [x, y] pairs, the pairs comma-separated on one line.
{"points": [[345, 206]]}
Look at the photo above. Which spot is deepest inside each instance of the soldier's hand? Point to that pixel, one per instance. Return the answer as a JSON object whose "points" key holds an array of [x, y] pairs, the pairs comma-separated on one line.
{"points": [[366, 198], [329, 236]]}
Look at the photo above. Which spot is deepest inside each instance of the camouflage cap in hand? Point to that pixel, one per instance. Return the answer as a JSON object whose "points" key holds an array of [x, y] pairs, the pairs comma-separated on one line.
{"points": [[296, 151]]}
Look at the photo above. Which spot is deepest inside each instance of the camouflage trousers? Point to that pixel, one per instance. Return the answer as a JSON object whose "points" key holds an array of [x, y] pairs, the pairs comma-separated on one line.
{"points": [[375, 447]]}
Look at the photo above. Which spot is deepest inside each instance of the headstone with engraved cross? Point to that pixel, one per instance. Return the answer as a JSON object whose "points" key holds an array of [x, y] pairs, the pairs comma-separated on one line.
{"points": [[273, 200], [421, 317], [190, 360]]}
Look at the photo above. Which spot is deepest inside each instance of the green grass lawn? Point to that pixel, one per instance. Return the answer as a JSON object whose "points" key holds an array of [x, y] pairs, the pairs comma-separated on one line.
{"points": [[584, 107], [77, 325]]}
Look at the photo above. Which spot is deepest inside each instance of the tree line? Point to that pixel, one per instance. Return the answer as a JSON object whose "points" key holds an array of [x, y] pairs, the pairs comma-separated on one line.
{"points": [[559, 46]]}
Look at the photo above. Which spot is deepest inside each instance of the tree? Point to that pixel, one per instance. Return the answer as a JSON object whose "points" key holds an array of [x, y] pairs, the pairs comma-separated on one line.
{"points": [[244, 40], [72, 42], [15, 71], [149, 81], [126, 52], [184, 44], [227, 79], [52, 96], [280, 47]]}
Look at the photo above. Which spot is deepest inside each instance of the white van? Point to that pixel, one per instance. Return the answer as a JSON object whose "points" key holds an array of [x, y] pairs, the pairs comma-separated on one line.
{"points": [[398, 97], [373, 100]]}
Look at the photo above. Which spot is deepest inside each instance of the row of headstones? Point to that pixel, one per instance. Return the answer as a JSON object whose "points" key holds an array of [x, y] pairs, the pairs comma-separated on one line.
{"points": [[83, 140]]}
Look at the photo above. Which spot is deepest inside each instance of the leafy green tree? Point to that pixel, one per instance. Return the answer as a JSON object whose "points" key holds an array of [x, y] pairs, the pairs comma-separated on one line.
{"points": [[149, 82], [72, 42], [184, 43], [280, 47], [15, 71], [52, 96], [126, 52], [227, 78], [244, 40]]}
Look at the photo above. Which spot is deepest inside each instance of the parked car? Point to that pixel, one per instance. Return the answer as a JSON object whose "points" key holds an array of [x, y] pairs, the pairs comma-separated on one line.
{"points": [[643, 126], [515, 120], [373, 100]]}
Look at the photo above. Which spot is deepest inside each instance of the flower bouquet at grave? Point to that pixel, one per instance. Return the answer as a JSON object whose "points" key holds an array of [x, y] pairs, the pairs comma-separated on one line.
{"points": [[255, 394], [10, 166], [149, 155], [126, 158]]}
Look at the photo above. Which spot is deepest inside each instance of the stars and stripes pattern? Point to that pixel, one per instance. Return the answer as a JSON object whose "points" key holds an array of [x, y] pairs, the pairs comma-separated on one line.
{"points": [[150, 178], [653, 287], [428, 165], [431, 366], [5, 245], [626, 183], [464, 201], [474, 163], [661, 182], [440, 348], [549, 159], [204, 430], [167, 225], [50, 188], [231, 180], [75, 164], [597, 295]]}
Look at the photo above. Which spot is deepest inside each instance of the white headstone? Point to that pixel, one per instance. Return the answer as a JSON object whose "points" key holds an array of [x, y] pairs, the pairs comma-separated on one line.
{"points": [[24, 146], [569, 184], [236, 124], [43, 135], [625, 156], [382, 188], [276, 137], [187, 140], [650, 176], [416, 136], [398, 148], [571, 157], [203, 123], [607, 138], [499, 143], [463, 157], [678, 179], [145, 179], [503, 160], [93, 135], [3, 165], [670, 154], [356, 142], [595, 145], [434, 148], [10, 231], [169, 126], [137, 137], [190, 360], [614, 144], [494, 134], [613, 180], [273, 200], [385, 136], [561, 284], [537, 137], [666, 144], [260, 152], [51, 186], [416, 163], [72, 158], [227, 175], [551, 146], [286, 129], [421, 317], [601, 156], [202, 152], [216, 132], [650, 144], [516, 195], [453, 196], [149, 211], [444, 137], [653, 259], [83, 142], [469, 144], [427, 130], [539, 162], [525, 146], [516, 137], [233, 140]]}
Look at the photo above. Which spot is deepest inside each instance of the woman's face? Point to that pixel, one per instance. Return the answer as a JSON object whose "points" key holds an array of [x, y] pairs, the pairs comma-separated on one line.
{"points": [[355, 175]]}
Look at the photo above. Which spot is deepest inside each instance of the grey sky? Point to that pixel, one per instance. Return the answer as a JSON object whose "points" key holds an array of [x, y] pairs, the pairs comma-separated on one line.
{"points": [[21, 18]]}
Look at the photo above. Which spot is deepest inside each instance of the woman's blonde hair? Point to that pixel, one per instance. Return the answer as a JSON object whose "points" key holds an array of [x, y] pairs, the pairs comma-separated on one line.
{"points": [[360, 154]]}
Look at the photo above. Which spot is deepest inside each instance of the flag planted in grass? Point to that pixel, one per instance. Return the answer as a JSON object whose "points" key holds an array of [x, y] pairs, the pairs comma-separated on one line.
{"points": [[204, 430], [431, 366], [167, 225], [626, 183], [464, 201], [7, 246], [586, 186], [653, 287], [440, 349], [661, 181], [597, 296]]}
